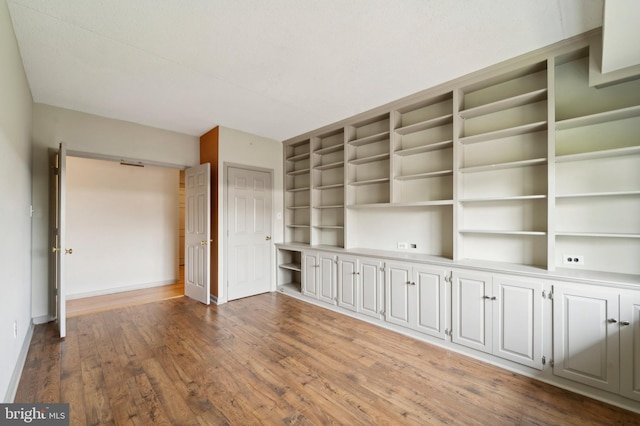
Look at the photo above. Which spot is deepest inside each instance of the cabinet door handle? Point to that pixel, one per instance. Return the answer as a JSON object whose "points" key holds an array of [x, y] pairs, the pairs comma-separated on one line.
{"points": [[612, 321], [493, 298], [412, 283], [486, 297], [625, 323]]}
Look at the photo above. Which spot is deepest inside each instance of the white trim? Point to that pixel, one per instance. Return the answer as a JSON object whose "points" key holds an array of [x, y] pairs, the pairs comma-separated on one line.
{"points": [[119, 289], [43, 319], [17, 370]]}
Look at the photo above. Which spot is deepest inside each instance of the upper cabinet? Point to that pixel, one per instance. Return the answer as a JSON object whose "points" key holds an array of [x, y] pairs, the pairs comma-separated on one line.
{"points": [[523, 163]]}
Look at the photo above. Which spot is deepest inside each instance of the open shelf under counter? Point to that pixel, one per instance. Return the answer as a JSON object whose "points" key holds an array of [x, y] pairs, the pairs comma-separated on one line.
{"points": [[601, 117], [424, 148], [502, 166], [424, 125], [505, 133], [370, 139], [593, 155], [370, 159], [503, 104], [291, 266]]}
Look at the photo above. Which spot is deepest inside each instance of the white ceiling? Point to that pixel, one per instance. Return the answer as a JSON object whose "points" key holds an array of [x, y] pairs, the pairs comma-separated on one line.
{"points": [[275, 68]]}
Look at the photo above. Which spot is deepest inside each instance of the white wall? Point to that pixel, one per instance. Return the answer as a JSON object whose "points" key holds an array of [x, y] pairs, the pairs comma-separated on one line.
{"points": [[91, 134], [122, 224], [244, 148], [15, 189]]}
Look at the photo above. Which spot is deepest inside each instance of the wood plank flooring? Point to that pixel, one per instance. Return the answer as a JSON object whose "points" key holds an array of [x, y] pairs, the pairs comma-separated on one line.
{"points": [[272, 359]]}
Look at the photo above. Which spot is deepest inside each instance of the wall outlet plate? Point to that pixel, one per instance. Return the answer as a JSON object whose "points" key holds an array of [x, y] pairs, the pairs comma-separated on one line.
{"points": [[573, 259], [403, 245]]}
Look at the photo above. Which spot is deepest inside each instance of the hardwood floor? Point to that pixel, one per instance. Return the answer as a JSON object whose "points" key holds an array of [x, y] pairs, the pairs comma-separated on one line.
{"points": [[272, 359]]}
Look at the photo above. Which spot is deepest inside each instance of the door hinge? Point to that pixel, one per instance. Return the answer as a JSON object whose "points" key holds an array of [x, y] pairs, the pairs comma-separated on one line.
{"points": [[382, 269], [547, 296], [448, 277], [382, 312], [550, 295], [551, 363], [55, 171], [544, 360]]}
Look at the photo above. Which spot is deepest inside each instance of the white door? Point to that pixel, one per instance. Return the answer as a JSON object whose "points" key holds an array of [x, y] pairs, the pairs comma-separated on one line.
{"points": [[310, 274], [585, 335], [197, 233], [60, 248], [348, 283], [430, 302], [398, 282], [369, 287], [249, 232], [327, 278], [471, 308], [630, 344]]}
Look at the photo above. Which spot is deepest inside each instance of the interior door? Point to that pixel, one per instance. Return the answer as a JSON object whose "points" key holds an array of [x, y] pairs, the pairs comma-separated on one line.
{"points": [[249, 213], [197, 233], [60, 247]]}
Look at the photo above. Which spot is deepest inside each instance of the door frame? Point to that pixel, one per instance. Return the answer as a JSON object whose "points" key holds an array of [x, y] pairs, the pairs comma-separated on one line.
{"points": [[223, 227]]}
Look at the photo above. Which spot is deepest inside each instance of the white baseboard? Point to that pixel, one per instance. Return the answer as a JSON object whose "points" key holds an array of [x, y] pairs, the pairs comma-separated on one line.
{"points": [[17, 371], [120, 289], [43, 319]]}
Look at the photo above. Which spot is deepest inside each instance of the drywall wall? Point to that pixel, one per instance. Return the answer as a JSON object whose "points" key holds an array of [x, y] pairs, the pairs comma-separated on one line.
{"points": [[15, 187], [96, 135], [122, 224], [240, 148]]}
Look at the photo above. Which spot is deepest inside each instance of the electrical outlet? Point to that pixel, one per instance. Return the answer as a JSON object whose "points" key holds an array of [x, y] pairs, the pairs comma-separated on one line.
{"points": [[15, 329], [573, 259], [413, 246], [403, 245]]}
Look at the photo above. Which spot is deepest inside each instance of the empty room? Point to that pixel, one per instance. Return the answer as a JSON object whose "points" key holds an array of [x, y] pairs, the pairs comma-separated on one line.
{"points": [[320, 212]]}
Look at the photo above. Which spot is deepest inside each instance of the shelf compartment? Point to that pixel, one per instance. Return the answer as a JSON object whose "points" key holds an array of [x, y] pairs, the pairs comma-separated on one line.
{"points": [[298, 172], [425, 175], [432, 203], [334, 185], [505, 133], [601, 117], [291, 266], [293, 225], [369, 182], [335, 206], [424, 125], [371, 159], [607, 153], [425, 148], [501, 166], [305, 188], [328, 226], [503, 104], [299, 157], [499, 199], [329, 149], [298, 207]]}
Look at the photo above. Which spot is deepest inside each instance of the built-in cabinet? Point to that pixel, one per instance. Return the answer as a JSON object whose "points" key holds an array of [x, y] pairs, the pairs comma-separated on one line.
{"points": [[500, 315], [497, 214], [597, 337]]}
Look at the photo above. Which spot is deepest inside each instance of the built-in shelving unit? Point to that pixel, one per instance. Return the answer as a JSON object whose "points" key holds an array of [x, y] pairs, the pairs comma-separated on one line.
{"points": [[597, 168], [521, 165], [289, 269]]}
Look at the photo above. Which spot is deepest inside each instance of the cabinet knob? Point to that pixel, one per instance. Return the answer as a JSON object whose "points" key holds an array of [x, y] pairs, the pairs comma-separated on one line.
{"points": [[493, 298], [625, 323], [612, 321]]}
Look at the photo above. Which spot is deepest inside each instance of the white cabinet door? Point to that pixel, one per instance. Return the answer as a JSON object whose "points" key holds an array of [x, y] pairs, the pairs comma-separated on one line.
{"points": [[398, 283], [370, 287], [310, 274], [630, 344], [430, 302], [348, 283], [585, 336], [471, 310], [517, 320], [327, 278]]}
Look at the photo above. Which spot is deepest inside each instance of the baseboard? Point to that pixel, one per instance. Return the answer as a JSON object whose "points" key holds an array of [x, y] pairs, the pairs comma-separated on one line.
{"points": [[17, 371], [119, 289], [43, 319]]}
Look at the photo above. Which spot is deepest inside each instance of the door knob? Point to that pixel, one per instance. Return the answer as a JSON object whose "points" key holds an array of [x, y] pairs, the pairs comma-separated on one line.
{"points": [[625, 323], [267, 237], [203, 243]]}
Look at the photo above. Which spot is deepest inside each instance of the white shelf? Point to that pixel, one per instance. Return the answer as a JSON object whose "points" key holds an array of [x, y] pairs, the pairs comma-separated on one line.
{"points": [[423, 203], [498, 199], [605, 153], [298, 157], [505, 133], [499, 232], [291, 266], [337, 206], [328, 226], [335, 165], [424, 148], [502, 166], [304, 188], [601, 117], [335, 185], [369, 205], [329, 149], [298, 172], [425, 175], [371, 159], [503, 104], [424, 125], [600, 194], [298, 207], [291, 225], [369, 182], [596, 235], [370, 139]]}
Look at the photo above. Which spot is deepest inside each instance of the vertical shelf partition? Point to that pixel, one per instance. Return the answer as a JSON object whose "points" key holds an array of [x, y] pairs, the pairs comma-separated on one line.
{"points": [[298, 192]]}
